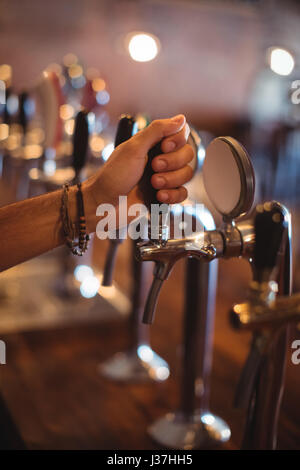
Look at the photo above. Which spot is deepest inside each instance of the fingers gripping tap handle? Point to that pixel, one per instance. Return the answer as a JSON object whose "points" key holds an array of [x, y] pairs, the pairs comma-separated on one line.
{"points": [[145, 186], [80, 142], [158, 229], [124, 132]]}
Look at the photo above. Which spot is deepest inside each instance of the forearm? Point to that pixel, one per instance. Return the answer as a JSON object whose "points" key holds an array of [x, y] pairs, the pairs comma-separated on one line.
{"points": [[34, 226]]}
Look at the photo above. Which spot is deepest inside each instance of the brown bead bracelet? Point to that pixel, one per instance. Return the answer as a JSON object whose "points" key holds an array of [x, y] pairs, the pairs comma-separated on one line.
{"points": [[77, 247]]}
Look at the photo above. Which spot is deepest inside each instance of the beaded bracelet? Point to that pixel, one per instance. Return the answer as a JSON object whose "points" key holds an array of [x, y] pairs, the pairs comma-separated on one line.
{"points": [[69, 229]]}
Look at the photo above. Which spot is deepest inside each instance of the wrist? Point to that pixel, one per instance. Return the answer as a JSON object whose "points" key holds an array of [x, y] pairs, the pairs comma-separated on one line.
{"points": [[90, 205], [89, 202]]}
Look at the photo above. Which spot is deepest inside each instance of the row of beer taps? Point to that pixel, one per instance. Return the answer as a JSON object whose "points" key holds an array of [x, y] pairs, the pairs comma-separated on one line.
{"points": [[264, 239], [65, 145], [262, 236]]}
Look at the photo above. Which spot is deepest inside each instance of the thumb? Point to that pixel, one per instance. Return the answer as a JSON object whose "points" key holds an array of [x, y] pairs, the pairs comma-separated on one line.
{"points": [[157, 130]]}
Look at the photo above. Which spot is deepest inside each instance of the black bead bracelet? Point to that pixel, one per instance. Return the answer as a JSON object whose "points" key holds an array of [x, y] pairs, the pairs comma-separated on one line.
{"points": [[77, 247]]}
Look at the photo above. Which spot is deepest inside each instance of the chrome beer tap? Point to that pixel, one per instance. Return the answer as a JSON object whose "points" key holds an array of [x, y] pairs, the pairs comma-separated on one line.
{"points": [[261, 384], [140, 362], [50, 99], [19, 155], [53, 178], [229, 182]]}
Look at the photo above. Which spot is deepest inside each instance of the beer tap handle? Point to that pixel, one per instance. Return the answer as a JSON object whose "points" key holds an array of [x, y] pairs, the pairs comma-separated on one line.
{"points": [[124, 132], [124, 129], [80, 143], [271, 227], [23, 119], [145, 186], [7, 115], [149, 197], [159, 229]]}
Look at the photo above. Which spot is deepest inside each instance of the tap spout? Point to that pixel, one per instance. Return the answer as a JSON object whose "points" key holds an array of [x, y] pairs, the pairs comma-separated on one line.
{"points": [[207, 246], [152, 299]]}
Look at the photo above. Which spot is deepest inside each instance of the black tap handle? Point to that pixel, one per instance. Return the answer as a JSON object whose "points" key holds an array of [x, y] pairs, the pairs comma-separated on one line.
{"points": [[7, 116], [270, 225], [80, 141], [124, 129], [149, 197], [23, 98], [145, 186]]}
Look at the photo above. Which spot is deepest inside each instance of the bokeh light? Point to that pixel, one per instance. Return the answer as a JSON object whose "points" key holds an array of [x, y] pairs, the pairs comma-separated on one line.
{"points": [[143, 47], [281, 61]]}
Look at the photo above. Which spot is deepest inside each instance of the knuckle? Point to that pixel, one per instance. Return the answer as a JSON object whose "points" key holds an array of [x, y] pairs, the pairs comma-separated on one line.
{"points": [[131, 145], [156, 124], [189, 171]]}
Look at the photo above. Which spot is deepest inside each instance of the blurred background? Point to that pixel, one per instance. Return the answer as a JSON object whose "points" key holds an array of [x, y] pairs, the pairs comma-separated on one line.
{"points": [[233, 68], [211, 60]]}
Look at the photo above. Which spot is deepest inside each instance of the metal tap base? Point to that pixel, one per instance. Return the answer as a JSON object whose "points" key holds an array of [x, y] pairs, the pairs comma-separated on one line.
{"points": [[140, 365], [202, 429]]}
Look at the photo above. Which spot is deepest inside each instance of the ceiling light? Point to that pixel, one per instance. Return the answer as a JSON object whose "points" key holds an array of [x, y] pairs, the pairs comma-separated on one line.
{"points": [[143, 47], [281, 61]]}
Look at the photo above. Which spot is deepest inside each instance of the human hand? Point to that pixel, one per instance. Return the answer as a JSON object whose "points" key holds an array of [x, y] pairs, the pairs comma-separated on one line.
{"points": [[125, 167]]}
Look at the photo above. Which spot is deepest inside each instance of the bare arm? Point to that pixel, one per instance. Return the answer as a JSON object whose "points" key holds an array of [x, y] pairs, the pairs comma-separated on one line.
{"points": [[32, 227]]}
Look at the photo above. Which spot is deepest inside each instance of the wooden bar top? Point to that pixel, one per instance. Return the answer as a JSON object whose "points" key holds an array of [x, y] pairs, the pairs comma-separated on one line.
{"points": [[58, 400]]}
